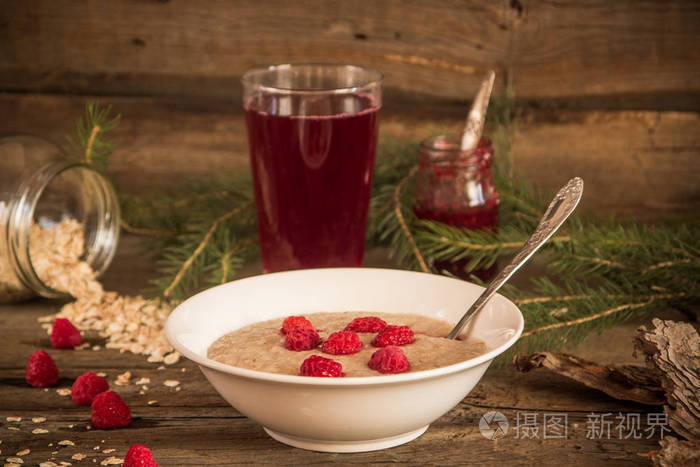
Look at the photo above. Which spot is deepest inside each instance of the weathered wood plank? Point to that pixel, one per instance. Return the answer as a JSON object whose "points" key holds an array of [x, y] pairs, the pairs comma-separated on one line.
{"points": [[626, 158], [622, 54], [452, 440]]}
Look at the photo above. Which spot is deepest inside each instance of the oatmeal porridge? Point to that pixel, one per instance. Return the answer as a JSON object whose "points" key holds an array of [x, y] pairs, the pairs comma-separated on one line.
{"points": [[262, 346]]}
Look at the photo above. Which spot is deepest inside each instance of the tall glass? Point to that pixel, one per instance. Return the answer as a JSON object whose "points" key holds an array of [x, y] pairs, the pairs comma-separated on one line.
{"points": [[312, 132]]}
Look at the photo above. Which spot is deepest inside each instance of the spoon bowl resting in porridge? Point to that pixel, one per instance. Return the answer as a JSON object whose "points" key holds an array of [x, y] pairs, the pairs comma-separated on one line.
{"points": [[360, 411]]}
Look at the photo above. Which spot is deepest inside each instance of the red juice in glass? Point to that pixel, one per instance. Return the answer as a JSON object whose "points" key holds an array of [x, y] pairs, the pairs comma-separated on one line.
{"points": [[312, 156]]}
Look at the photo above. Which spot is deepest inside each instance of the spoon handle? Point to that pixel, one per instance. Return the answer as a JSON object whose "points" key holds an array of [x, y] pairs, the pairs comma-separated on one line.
{"points": [[558, 211]]}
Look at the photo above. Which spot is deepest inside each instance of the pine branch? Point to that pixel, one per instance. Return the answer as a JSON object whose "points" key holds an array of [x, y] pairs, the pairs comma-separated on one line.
{"points": [[89, 146]]}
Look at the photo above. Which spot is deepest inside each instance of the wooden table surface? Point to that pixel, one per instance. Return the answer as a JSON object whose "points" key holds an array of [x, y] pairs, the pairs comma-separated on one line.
{"points": [[194, 426]]}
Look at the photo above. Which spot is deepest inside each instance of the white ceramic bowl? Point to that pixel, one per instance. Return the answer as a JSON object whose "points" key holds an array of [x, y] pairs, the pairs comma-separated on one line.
{"points": [[350, 414]]}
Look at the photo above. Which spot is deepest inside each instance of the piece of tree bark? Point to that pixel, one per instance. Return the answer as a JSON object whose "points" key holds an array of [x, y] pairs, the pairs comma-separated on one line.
{"points": [[672, 378], [674, 350], [675, 452], [627, 382]]}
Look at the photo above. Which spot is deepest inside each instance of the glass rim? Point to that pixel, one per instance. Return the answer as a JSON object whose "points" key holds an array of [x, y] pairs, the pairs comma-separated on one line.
{"points": [[377, 77]]}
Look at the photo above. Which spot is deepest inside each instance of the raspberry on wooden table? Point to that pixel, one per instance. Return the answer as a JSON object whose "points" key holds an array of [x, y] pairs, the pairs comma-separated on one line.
{"points": [[139, 455], [292, 322], [316, 365], [366, 324], [299, 339], [110, 411], [342, 343], [64, 335], [86, 387], [41, 370], [390, 359], [394, 335]]}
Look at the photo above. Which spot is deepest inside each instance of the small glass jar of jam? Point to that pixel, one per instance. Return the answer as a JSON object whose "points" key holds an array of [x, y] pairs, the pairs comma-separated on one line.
{"points": [[456, 187]]}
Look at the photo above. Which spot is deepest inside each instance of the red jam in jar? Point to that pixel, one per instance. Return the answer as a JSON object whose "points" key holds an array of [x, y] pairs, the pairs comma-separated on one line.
{"points": [[456, 187]]}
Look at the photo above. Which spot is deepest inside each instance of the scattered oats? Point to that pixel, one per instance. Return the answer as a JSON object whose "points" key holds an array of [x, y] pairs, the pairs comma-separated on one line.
{"points": [[15, 460], [78, 456], [142, 392], [88, 427], [153, 402], [112, 461], [171, 383], [50, 444], [177, 389], [143, 380], [82, 346], [39, 431], [123, 379], [63, 391], [13, 428], [102, 441], [54, 452], [108, 451], [129, 323], [14, 419], [184, 370], [23, 452], [145, 387], [102, 374], [46, 389], [38, 419], [65, 463], [171, 358], [96, 448], [71, 425], [66, 442], [161, 367], [48, 464]]}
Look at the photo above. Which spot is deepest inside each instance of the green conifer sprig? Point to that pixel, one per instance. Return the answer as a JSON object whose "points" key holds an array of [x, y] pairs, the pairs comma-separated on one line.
{"points": [[89, 145]]}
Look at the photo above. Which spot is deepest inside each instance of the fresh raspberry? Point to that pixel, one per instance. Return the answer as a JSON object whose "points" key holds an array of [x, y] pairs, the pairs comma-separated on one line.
{"points": [[316, 365], [41, 370], [394, 335], [296, 322], [367, 324], [139, 455], [389, 359], [342, 343], [86, 387], [64, 335], [110, 411], [302, 339]]}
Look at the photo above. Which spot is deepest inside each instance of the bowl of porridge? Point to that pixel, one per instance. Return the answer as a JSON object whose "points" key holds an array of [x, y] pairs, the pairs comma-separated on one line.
{"points": [[342, 359]]}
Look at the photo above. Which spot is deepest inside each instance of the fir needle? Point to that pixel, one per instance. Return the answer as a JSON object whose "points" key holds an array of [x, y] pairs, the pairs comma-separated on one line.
{"points": [[477, 114]]}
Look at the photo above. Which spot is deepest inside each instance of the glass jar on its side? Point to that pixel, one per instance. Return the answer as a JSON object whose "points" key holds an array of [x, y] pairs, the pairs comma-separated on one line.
{"points": [[457, 188], [40, 187]]}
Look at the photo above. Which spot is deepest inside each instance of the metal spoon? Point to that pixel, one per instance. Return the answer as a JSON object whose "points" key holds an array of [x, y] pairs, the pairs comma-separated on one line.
{"points": [[558, 211]]}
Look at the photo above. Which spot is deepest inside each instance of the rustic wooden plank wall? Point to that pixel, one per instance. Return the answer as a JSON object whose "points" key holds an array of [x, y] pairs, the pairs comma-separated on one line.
{"points": [[608, 90]]}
